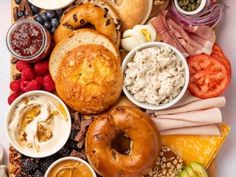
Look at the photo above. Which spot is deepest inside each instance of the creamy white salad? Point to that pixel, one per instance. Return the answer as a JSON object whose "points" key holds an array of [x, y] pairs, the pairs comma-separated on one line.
{"points": [[155, 75]]}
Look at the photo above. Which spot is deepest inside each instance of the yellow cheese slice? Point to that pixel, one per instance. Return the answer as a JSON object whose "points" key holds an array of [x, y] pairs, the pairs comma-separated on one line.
{"points": [[202, 149]]}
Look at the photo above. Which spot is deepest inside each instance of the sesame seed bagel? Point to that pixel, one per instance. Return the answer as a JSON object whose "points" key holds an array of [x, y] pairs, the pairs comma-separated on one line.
{"points": [[144, 146], [96, 13]]}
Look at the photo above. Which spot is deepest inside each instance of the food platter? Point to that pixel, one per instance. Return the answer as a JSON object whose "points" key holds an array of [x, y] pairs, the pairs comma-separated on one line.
{"points": [[212, 167]]}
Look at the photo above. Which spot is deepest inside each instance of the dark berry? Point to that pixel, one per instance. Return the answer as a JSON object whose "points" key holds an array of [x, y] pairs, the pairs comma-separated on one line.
{"points": [[64, 152], [73, 133], [50, 14], [47, 25], [20, 14], [52, 30], [38, 173], [34, 9], [17, 1], [44, 17], [28, 166], [39, 19], [54, 22], [60, 12], [45, 163], [72, 144]]}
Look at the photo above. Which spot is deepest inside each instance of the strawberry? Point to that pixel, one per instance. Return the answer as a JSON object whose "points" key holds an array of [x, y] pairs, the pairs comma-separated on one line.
{"points": [[15, 86], [41, 68], [12, 97], [48, 83], [20, 65], [27, 74]]}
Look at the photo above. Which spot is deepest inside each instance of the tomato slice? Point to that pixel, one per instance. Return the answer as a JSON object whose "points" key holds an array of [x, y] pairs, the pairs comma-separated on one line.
{"points": [[218, 53], [209, 77]]}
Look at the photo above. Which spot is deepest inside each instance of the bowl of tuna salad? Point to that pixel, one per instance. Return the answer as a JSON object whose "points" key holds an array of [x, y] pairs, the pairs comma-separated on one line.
{"points": [[156, 76]]}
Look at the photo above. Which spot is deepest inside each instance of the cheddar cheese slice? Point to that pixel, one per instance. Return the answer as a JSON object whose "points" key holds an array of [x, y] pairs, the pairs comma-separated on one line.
{"points": [[202, 149]]}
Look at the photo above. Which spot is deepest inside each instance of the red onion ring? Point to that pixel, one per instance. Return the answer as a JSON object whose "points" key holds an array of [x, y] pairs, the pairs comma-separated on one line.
{"points": [[211, 16]]}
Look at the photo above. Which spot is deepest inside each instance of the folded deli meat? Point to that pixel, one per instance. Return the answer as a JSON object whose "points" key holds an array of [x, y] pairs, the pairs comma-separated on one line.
{"points": [[190, 40]]}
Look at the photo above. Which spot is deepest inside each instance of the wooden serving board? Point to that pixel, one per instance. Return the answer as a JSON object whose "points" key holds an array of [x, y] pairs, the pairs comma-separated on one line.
{"points": [[211, 170]]}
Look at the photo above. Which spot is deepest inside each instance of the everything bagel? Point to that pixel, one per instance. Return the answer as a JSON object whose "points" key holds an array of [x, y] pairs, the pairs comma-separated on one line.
{"points": [[144, 146], [104, 20]]}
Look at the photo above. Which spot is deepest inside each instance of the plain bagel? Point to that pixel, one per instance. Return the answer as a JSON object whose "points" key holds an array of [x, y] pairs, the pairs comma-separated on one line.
{"points": [[132, 12], [104, 20], [144, 146]]}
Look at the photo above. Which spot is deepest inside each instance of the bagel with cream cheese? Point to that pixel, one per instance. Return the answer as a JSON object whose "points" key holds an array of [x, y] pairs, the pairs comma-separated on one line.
{"points": [[144, 146], [132, 12], [96, 13]]}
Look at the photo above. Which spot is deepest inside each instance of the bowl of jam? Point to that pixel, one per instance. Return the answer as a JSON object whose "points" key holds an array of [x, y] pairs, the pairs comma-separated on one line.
{"points": [[28, 40]]}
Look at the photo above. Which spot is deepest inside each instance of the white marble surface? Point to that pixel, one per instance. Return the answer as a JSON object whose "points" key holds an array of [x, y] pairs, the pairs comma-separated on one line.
{"points": [[226, 37]]}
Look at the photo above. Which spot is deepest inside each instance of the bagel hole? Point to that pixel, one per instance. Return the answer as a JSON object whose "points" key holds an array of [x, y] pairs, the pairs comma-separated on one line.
{"points": [[121, 143]]}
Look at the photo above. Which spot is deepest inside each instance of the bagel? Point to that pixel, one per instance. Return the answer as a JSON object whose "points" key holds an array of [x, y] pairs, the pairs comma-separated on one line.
{"points": [[132, 12], [102, 16], [144, 146], [90, 79], [75, 39]]}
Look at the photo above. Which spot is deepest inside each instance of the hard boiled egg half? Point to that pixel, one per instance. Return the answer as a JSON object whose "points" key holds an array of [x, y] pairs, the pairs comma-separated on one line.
{"points": [[138, 35]]}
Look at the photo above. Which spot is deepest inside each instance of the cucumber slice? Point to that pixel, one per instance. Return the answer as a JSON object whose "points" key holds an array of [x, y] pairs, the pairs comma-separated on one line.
{"points": [[198, 169], [183, 174], [190, 172]]}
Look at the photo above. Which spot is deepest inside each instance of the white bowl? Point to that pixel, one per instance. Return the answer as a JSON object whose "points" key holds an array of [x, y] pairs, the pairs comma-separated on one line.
{"points": [[56, 147], [196, 11], [51, 4], [151, 106], [69, 158]]}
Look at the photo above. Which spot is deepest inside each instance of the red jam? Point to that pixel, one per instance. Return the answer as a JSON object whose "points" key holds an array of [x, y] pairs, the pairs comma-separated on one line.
{"points": [[27, 39]]}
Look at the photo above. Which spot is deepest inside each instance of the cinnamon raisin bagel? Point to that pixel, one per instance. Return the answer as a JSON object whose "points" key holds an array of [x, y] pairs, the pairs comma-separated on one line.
{"points": [[144, 146], [100, 15], [89, 79], [132, 12]]}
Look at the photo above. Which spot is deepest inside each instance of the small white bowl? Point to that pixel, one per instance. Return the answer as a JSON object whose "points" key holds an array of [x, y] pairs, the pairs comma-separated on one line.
{"points": [[69, 158], [51, 4], [56, 147], [151, 106], [196, 11]]}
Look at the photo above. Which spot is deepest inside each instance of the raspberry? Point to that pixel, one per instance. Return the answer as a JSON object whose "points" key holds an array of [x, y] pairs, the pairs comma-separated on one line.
{"points": [[12, 97], [15, 86], [27, 74], [27, 86], [20, 65], [48, 83], [41, 68], [39, 79]]}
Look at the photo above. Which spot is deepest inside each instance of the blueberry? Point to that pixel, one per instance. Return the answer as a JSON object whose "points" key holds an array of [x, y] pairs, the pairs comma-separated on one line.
{"points": [[54, 22], [38, 18], [50, 14], [65, 151], [52, 30], [44, 17], [20, 14], [17, 1], [34, 9], [47, 25]]}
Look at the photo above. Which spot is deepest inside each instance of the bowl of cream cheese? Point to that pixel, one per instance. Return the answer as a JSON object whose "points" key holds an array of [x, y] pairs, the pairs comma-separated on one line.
{"points": [[156, 75], [51, 4], [38, 124]]}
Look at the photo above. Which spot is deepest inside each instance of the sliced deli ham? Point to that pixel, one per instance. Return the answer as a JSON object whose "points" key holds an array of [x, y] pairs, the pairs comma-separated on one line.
{"points": [[188, 39]]}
